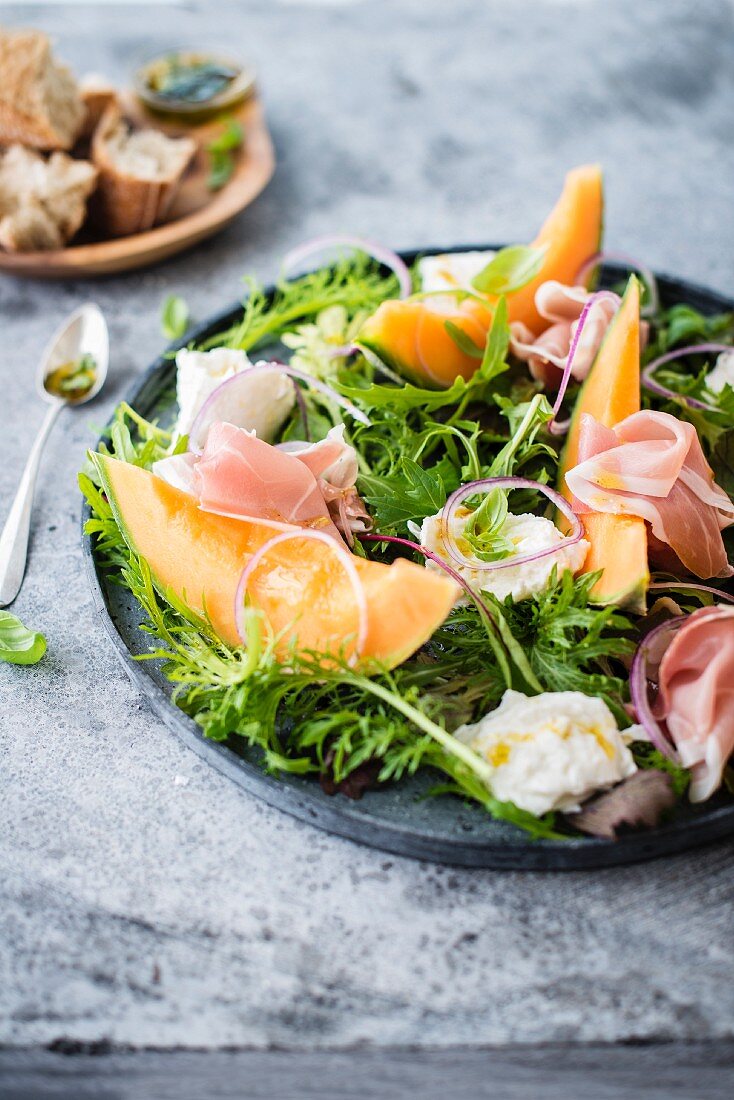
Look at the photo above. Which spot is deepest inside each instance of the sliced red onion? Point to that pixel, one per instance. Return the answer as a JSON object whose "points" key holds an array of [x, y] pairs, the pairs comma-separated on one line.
{"points": [[489, 483], [681, 586], [559, 427], [645, 665], [416, 546], [656, 387], [378, 252], [566, 376], [345, 558], [653, 305], [206, 415]]}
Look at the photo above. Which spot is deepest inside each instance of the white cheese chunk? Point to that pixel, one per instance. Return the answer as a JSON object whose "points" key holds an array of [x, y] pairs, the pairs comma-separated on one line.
{"points": [[550, 751], [722, 374], [261, 407], [451, 270], [528, 533]]}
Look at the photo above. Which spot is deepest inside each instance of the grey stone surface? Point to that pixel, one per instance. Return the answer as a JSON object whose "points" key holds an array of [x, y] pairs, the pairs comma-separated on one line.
{"points": [[146, 899]]}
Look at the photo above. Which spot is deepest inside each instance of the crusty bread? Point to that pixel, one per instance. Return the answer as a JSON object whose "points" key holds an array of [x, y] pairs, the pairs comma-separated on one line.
{"points": [[97, 95], [139, 174], [42, 202], [39, 101]]}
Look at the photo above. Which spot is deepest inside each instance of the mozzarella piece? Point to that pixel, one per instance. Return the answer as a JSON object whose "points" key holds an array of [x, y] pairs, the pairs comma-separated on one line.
{"points": [[261, 407], [451, 270], [550, 751], [528, 533], [722, 374]]}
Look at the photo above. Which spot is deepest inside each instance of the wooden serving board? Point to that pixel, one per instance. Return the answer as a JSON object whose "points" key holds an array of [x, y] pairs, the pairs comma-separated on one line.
{"points": [[197, 212]]}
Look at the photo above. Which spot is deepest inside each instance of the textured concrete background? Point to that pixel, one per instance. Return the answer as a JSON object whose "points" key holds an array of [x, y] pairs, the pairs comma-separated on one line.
{"points": [[145, 898]]}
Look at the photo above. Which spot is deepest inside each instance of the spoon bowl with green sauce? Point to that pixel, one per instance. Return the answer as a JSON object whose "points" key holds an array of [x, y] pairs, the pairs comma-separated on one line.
{"points": [[72, 371]]}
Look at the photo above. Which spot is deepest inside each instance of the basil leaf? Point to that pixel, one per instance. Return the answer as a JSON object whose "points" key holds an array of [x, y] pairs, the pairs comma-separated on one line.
{"points": [[222, 167], [230, 138], [174, 317], [18, 645], [510, 269]]}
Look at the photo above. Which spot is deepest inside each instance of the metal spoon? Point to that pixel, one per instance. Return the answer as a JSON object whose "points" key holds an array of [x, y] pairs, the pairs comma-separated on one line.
{"points": [[84, 333]]}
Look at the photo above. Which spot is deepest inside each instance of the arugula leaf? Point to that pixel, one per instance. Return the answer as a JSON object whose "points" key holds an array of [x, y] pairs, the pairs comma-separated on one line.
{"points": [[410, 494], [18, 645], [462, 340], [174, 317], [511, 269], [494, 360]]}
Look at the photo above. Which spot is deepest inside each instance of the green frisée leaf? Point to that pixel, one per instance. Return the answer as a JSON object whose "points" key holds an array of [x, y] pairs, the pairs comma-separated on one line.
{"points": [[18, 645], [174, 317], [511, 269]]}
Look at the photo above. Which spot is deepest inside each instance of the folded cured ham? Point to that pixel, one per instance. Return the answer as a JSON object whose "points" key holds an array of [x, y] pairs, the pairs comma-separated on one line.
{"points": [[652, 465], [547, 354], [293, 484], [696, 696]]}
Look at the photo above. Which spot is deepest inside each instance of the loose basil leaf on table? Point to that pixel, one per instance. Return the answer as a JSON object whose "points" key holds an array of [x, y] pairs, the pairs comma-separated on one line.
{"points": [[18, 645]]}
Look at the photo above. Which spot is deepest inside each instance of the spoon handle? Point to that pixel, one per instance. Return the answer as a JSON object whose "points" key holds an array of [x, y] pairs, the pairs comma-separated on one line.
{"points": [[14, 539]]}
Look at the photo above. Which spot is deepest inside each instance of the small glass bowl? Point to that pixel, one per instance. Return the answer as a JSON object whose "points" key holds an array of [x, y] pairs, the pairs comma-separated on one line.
{"points": [[183, 110]]}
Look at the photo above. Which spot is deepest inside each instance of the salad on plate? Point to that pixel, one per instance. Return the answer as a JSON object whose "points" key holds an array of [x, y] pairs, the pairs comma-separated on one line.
{"points": [[472, 516]]}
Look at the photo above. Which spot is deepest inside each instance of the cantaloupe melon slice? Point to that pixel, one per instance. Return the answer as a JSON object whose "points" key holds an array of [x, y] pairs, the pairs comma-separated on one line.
{"points": [[618, 544], [304, 592], [411, 337], [571, 234]]}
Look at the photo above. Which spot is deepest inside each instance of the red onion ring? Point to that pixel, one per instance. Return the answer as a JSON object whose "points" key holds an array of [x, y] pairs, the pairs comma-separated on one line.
{"points": [[378, 252], [651, 308], [655, 387], [600, 295], [459, 496], [346, 559], [681, 586], [648, 648]]}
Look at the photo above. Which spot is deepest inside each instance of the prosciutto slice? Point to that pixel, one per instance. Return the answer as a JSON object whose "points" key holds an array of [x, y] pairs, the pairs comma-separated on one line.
{"points": [[333, 462], [652, 465], [547, 354], [308, 484], [241, 476], [696, 696]]}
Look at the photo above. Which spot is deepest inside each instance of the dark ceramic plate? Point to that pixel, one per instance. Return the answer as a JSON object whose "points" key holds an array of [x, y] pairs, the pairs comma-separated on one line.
{"points": [[396, 819]]}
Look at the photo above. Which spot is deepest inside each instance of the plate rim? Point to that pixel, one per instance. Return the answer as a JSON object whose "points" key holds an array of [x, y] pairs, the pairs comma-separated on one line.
{"points": [[339, 815], [138, 250]]}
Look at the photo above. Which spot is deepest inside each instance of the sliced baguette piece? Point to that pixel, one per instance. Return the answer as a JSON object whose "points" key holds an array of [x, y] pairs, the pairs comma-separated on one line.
{"points": [[40, 104], [42, 202], [97, 96], [139, 174]]}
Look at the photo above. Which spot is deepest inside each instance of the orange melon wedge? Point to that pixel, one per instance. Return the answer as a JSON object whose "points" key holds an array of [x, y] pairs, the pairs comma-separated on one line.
{"points": [[571, 234], [300, 586], [411, 337], [611, 392]]}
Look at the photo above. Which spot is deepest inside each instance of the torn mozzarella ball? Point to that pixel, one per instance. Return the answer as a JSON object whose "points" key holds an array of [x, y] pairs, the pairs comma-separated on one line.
{"points": [[528, 533], [261, 405], [550, 751], [722, 374], [452, 270]]}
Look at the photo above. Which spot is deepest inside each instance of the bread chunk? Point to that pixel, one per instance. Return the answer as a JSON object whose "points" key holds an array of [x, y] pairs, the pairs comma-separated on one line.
{"points": [[42, 202], [40, 104], [139, 174]]}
